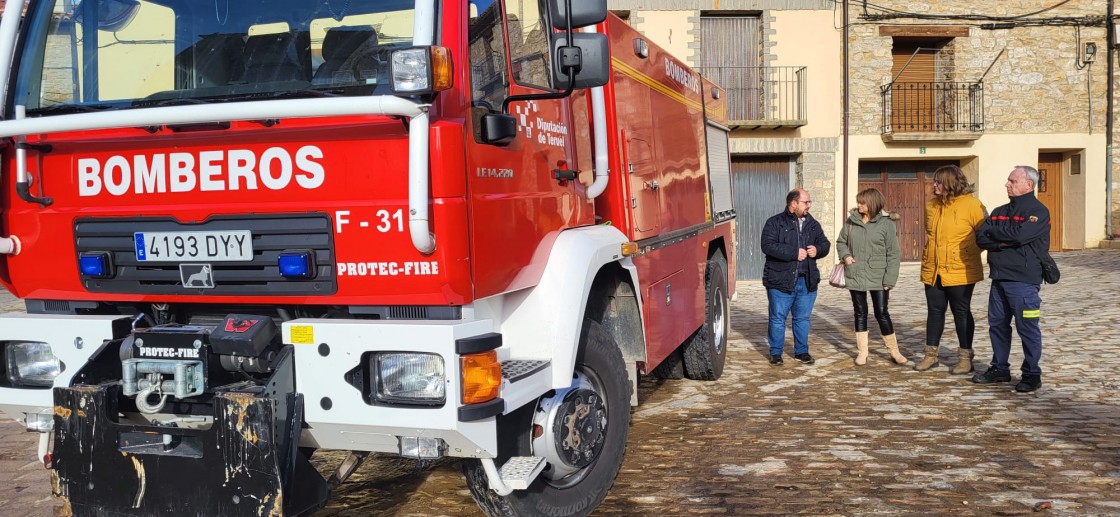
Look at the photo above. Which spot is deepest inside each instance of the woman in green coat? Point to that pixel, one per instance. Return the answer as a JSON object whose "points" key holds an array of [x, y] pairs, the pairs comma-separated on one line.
{"points": [[868, 245]]}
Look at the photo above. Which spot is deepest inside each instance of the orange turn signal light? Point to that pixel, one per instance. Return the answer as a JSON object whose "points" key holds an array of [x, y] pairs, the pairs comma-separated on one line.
{"points": [[443, 73], [629, 248], [482, 377]]}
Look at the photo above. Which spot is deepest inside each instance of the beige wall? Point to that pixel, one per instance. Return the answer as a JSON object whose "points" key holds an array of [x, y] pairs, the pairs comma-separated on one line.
{"points": [[993, 156], [669, 30], [807, 38]]}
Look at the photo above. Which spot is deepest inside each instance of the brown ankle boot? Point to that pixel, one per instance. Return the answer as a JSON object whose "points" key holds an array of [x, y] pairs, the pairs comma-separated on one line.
{"points": [[861, 348], [964, 361], [892, 346], [929, 361]]}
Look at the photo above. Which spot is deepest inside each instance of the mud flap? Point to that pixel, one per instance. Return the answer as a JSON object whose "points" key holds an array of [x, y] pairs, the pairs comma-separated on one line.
{"points": [[246, 463]]}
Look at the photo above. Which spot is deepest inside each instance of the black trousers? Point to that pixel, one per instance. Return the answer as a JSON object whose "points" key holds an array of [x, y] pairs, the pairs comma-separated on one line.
{"points": [[959, 299], [879, 301]]}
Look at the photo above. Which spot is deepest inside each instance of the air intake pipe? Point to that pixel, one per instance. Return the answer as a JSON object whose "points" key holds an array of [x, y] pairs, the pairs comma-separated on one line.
{"points": [[9, 245]]}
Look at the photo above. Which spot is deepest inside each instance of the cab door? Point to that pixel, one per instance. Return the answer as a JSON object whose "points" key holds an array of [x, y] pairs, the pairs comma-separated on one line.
{"points": [[516, 201]]}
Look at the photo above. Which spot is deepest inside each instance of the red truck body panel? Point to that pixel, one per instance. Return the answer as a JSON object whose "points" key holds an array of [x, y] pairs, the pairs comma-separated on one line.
{"points": [[495, 210]]}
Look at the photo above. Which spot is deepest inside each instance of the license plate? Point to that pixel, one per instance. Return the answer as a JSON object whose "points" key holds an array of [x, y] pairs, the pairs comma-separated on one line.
{"points": [[220, 246]]}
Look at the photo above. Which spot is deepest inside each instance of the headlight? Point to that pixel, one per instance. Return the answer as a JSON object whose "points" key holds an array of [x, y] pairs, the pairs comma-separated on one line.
{"points": [[410, 378], [31, 364], [421, 70]]}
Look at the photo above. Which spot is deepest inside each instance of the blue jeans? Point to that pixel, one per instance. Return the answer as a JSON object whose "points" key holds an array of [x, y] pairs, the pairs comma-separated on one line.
{"points": [[1019, 301], [801, 302]]}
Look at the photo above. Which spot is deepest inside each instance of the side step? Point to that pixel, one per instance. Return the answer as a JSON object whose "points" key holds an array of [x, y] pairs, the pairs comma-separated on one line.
{"points": [[520, 471], [525, 380]]}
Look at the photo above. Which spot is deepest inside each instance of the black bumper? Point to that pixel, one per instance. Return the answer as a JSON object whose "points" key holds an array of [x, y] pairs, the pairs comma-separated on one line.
{"points": [[246, 463]]}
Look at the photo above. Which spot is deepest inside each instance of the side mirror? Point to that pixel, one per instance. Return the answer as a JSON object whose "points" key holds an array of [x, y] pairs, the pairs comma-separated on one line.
{"points": [[498, 128], [584, 13], [112, 15], [592, 66]]}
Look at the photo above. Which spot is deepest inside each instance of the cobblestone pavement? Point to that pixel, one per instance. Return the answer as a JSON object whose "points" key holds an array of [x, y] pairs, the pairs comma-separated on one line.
{"points": [[826, 439]]}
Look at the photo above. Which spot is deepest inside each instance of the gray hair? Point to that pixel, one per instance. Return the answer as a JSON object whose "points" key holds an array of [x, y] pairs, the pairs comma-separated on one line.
{"points": [[1032, 174]]}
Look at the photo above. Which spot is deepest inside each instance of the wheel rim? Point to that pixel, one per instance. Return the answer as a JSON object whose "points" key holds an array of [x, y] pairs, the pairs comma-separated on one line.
{"points": [[719, 320], [574, 428]]}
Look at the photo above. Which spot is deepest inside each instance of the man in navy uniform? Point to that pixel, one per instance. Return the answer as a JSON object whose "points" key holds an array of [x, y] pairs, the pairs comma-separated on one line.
{"points": [[1015, 235]]}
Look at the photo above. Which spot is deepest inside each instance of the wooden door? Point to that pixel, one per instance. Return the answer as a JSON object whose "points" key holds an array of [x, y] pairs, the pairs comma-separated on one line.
{"points": [[906, 187], [1049, 190]]}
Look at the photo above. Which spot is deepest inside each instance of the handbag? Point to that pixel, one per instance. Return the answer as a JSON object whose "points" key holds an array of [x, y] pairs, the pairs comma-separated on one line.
{"points": [[1050, 272], [837, 278]]}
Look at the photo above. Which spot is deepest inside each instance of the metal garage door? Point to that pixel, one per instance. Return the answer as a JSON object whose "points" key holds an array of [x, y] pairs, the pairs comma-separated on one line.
{"points": [[761, 185]]}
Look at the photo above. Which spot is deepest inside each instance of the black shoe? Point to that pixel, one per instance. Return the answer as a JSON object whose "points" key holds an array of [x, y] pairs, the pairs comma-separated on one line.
{"points": [[992, 375], [805, 358], [1028, 384], [776, 360]]}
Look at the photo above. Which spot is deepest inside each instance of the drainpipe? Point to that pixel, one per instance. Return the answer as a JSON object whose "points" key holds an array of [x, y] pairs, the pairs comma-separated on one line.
{"points": [[844, 124], [1111, 41]]}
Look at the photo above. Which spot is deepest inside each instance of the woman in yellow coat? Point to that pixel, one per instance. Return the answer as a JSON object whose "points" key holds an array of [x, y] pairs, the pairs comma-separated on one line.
{"points": [[951, 264]]}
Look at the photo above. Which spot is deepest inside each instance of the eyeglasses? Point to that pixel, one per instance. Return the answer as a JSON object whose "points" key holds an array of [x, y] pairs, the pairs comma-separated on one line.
{"points": [[937, 182], [805, 202]]}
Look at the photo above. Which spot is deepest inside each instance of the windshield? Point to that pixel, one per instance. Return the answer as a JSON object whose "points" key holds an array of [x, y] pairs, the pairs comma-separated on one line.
{"points": [[107, 54]]}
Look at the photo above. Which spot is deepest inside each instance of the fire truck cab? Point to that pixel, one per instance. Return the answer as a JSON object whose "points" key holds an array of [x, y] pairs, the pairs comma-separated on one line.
{"points": [[245, 231]]}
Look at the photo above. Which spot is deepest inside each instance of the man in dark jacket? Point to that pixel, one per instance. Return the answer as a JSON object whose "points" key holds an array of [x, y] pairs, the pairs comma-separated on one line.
{"points": [[1014, 235], [792, 242]]}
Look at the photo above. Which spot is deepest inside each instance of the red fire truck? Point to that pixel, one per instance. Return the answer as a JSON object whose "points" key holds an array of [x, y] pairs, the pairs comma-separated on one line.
{"points": [[248, 230]]}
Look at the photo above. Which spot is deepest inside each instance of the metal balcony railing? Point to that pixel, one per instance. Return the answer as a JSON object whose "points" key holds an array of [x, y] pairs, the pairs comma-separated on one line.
{"points": [[762, 96], [933, 107]]}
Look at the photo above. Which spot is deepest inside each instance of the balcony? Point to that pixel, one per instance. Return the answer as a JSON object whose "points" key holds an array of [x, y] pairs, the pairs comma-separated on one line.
{"points": [[762, 96], [933, 111]]}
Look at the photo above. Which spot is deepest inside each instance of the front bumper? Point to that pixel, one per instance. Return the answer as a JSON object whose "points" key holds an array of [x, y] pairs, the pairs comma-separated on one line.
{"points": [[338, 416], [73, 339], [244, 464]]}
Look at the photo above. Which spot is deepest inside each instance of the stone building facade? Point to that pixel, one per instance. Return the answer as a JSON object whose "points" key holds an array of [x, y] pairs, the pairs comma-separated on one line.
{"points": [[984, 86], [789, 135], [1037, 83]]}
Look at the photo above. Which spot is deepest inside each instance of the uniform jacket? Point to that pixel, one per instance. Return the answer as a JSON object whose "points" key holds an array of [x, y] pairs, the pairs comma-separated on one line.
{"points": [[951, 251], [781, 240], [874, 245], [1013, 234]]}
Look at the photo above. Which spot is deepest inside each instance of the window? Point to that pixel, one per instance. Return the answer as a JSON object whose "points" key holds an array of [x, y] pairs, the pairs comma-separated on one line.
{"points": [[489, 85], [115, 54], [528, 43], [730, 55]]}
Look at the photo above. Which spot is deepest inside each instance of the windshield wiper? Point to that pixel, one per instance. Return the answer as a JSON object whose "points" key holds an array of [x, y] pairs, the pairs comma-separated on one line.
{"points": [[56, 109], [242, 97], [166, 102], [296, 94]]}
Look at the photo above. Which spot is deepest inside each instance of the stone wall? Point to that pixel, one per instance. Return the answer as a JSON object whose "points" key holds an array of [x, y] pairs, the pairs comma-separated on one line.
{"points": [[1115, 186], [1035, 84]]}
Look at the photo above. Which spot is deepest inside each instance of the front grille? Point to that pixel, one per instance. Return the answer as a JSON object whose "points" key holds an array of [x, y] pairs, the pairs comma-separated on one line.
{"points": [[259, 276]]}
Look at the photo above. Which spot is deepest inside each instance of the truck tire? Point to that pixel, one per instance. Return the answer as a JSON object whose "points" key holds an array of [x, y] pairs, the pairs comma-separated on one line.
{"points": [[599, 363], [706, 350], [671, 368]]}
